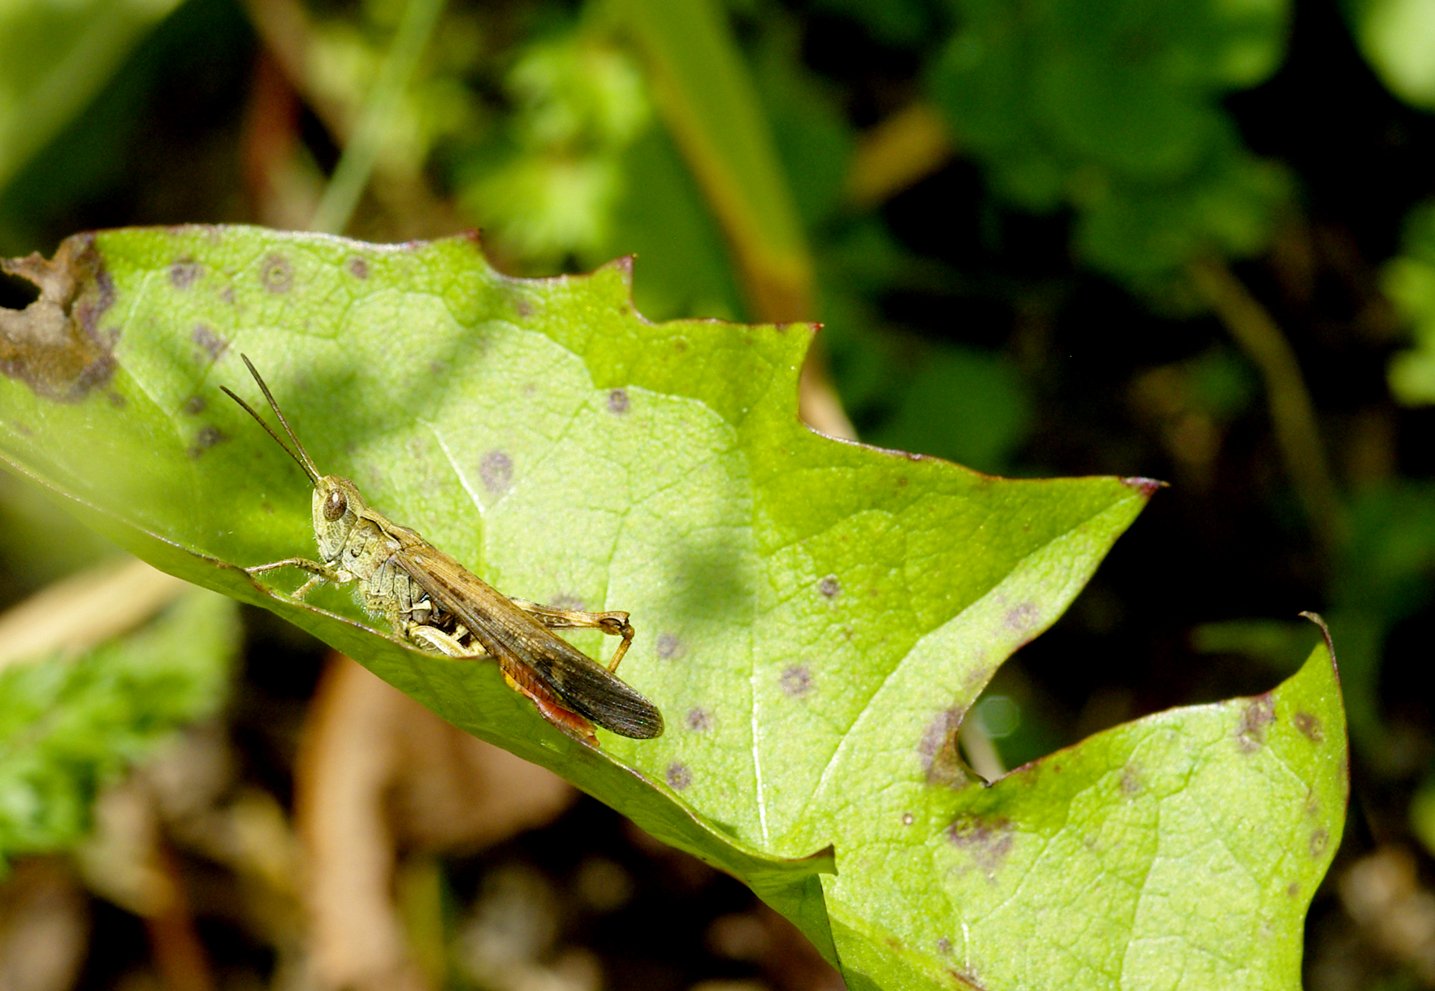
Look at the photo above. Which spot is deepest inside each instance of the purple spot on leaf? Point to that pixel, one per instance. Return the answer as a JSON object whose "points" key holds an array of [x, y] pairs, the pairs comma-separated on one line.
{"points": [[941, 763], [204, 440], [194, 405], [1257, 714], [359, 267], [277, 274], [988, 841], [796, 681], [699, 720], [944, 946], [210, 342], [1022, 618], [495, 470], [1146, 486], [183, 273], [830, 587], [59, 358], [1309, 726], [679, 777], [618, 401], [669, 646], [89, 311]]}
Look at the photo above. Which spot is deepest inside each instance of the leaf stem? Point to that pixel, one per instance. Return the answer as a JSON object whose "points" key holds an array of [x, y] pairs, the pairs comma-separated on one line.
{"points": [[894, 155], [356, 165], [709, 102], [1297, 433]]}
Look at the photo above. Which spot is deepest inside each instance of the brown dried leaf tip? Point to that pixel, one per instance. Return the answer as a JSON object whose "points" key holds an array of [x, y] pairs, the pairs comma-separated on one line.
{"points": [[55, 345]]}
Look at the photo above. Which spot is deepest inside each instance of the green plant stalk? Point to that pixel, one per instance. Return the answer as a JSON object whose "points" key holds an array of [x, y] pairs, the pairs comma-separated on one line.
{"points": [[356, 165], [709, 103]]}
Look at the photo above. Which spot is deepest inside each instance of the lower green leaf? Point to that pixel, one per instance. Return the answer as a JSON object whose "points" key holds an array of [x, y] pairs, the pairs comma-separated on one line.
{"points": [[1178, 851]]}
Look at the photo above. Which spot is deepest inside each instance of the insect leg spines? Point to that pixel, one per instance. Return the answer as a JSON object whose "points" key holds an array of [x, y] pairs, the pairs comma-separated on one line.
{"points": [[614, 623], [319, 573]]}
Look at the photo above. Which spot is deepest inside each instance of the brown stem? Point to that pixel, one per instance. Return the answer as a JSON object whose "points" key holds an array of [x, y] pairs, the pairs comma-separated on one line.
{"points": [[1292, 412], [179, 955], [898, 152]]}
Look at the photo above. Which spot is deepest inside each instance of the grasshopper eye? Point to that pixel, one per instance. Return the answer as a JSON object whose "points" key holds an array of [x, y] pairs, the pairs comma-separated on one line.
{"points": [[335, 505]]}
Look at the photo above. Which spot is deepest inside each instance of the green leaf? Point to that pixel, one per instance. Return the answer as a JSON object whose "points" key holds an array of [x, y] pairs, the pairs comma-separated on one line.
{"points": [[548, 181], [1395, 37], [662, 219], [814, 617], [1144, 232], [961, 403], [1179, 851]]}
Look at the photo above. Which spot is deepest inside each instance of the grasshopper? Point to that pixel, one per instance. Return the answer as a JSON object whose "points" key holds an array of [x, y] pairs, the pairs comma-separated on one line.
{"points": [[433, 601]]}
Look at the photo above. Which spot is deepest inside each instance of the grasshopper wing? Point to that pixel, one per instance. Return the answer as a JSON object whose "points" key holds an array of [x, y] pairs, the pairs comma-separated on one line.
{"points": [[528, 651]]}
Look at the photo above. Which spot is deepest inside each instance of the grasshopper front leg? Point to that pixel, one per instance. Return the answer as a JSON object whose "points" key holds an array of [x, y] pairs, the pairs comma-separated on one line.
{"points": [[615, 624], [319, 572]]}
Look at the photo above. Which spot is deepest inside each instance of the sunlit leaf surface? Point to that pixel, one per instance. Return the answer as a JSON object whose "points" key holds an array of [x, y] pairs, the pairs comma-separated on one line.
{"points": [[814, 617]]}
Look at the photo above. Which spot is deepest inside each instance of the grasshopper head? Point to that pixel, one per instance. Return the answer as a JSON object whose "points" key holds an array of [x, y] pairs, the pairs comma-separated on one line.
{"points": [[337, 505]]}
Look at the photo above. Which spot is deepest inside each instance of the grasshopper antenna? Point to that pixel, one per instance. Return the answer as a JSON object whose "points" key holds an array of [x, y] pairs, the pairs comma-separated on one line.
{"points": [[302, 457]]}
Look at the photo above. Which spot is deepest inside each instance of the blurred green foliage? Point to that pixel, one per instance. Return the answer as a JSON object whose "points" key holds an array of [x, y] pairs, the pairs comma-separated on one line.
{"points": [[1396, 37], [1409, 281], [549, 186], [1112, 109], [56, 58], [69, 725]]}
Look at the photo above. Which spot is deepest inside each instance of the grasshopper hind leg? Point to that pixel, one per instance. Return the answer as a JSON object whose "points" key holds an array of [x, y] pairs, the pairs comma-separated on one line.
{"points": [[615, 624]]}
